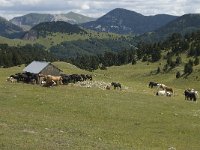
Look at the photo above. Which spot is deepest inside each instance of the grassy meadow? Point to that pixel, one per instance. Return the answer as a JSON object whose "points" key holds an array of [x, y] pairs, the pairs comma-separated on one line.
{"points": [[70, 117], [57, 38]]}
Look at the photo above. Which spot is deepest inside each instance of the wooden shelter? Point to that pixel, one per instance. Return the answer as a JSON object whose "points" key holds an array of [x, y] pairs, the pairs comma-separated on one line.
{"points": [[42, 67]]}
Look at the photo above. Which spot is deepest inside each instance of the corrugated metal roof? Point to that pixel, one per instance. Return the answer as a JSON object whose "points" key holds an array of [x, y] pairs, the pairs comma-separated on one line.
{"points": [[36, 67]]}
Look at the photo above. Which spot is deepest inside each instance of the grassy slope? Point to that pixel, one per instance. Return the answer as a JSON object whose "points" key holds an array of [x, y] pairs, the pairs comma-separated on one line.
{"points": [[58, 38], [67, 117], [13, 42]]}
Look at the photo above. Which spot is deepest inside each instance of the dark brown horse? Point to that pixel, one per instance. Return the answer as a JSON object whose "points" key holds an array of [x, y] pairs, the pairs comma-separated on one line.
{"points": [[152, 84], [116, 85]]}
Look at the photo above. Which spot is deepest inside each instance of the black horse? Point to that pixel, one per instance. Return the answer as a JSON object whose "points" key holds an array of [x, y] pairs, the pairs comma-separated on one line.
{"points": [[88, 76], [152, 84], [116, 85], [189, 95]]}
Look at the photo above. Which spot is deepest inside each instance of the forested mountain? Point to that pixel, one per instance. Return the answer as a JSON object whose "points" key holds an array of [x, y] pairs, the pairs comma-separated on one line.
{"points": [[124, 21], [9, 30], [84, 47], [32, 19], [170, 50], [184, 24], [71, 49], [47, 28], [65, 40]]}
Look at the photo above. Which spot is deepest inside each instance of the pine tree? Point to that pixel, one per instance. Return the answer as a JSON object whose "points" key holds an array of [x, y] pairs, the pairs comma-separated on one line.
{"points": [[165, 68], [178, 60], [188, 68], [178, 75], [155, 55], [134, 61], [196, 61], [158, 70]]}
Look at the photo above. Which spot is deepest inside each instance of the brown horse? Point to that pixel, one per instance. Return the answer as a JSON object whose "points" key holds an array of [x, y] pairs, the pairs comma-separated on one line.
{"points": [[169, 89], [56, 79], [166, 88]]}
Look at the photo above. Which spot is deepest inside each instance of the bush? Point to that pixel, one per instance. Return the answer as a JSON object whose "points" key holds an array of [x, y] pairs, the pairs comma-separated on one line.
{"points": [[165, 68], [188, 68], [178, 60], [191, 62], [144, 58], [158, 70], [134, 61], [178, 75], [103, 67], [196, 61]]}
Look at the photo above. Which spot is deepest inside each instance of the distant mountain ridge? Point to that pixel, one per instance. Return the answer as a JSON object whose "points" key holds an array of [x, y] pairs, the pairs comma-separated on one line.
{"points": [[185, 24], [45, 28], [9, 30], [32, 19], [124, 21]]}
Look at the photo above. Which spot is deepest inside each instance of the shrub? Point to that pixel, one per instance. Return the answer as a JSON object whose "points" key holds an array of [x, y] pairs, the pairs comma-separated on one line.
{"points": [[178, 60], [158, 70], [196, 61], [134, 61], [178, 75], [165, 68], [188, 68]]}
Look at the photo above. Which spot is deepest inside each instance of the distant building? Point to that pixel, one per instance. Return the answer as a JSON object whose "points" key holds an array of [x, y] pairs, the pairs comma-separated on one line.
{"points": [[42, 68]]}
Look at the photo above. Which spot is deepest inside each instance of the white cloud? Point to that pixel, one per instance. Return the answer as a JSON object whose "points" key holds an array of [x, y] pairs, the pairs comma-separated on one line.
{"points": [[97, 8], [85, 7], [5, 3]]}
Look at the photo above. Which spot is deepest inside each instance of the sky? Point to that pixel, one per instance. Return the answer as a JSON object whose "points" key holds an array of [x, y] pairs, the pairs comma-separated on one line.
{"points": [[97, 8]]}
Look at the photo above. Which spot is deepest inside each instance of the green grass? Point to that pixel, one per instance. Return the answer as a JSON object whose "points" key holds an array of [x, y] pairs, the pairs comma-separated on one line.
{"points": [[57, 38], [13, 42], [69, 117]]}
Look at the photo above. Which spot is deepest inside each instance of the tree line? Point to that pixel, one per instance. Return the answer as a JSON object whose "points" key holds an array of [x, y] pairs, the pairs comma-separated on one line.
{"points": [[17, 55], [93, 62], [171, 48], [175, 45]]}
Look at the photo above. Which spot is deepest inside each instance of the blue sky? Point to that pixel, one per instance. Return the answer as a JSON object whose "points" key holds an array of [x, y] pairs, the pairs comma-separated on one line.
{"points": [[97, 8]]}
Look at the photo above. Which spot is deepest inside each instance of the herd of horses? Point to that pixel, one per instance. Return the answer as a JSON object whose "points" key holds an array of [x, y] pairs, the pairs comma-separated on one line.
{"points": [[163, 90], [65, 79], [50, 80], [24, 77]]}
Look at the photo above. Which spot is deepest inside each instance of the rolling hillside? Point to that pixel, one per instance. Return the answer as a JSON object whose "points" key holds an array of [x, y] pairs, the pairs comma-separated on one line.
{"points": [[71, 117], [124, 21], [81, 116], [65, 40]]}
